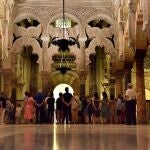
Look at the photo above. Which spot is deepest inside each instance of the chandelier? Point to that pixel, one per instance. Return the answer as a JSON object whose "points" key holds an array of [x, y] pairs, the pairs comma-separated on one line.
{"points": [[63, 68], [64, 60], [65, 41]]}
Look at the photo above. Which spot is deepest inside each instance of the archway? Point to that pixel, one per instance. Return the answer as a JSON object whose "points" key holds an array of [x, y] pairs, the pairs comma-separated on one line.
{"points": [[61, 88]]}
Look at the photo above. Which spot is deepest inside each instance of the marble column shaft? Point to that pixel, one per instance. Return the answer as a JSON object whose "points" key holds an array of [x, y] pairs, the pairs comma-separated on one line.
{"points": [[83, 76], [119, 89], [92, 72], [7, 80], [45, 78], [140, 87], [83, 72], [127, 74]]}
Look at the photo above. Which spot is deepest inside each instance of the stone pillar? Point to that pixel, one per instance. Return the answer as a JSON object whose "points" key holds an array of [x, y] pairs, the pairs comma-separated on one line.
{"points": [[92, 72], [83, 73], [112, 86], [140, 87], [118, 76], [7, 78], [127, 74], [83, 76], [45, 75], [90, 78], [82, 45]]}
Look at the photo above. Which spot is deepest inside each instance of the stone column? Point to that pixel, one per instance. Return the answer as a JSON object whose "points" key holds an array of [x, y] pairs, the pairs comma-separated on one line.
{"points": [[140, 87], [83, 73], [92, 72], [7, 78], [127, 74], [83, 76], [45, 75], [118, 76], [82, 45], [112, 86]]}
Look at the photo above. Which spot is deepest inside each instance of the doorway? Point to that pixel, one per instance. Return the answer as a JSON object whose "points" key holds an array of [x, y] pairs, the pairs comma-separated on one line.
{"points": [[60, 88]]}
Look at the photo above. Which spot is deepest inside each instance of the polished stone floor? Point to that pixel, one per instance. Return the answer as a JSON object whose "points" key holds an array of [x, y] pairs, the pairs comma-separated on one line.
{"points": [[74, 137]]}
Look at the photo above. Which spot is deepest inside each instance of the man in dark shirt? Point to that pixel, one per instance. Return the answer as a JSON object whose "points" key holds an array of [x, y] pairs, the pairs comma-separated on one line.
{"points": [[39, 99], [50, 102], [67, 106]]}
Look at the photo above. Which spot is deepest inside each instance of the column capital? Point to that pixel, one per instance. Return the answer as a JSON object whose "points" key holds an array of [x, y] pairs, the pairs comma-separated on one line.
{"points": [[132, 6]]}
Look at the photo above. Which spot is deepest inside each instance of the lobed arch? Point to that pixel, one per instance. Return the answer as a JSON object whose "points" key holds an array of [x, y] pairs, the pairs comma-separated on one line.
{"points": [[26, 16], [108, 48], [67, 15], [102, 14], [26, 41], [96, 42]]}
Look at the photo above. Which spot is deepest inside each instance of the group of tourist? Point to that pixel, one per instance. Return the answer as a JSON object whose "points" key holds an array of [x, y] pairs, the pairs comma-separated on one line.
{"points": [[70, 108]]}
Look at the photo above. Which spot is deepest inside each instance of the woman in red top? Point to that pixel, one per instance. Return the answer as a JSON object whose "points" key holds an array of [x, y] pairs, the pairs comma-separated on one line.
{"points": [[29, 109]]}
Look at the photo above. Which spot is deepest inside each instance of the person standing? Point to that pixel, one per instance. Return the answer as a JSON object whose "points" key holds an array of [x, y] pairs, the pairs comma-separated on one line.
{"points": [[18, 114], [3, 106], [29, 109], [96, 108], [119, 108], [104, 109], [85, 116], [90, 109], [39, 100], [50, 102], [67, 106], [74, 108], [59, 108], [130, 105], [112, 109]]}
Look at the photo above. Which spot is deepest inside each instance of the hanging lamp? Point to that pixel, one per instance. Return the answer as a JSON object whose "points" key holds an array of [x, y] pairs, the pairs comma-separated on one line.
{"points": [[66, 41]]}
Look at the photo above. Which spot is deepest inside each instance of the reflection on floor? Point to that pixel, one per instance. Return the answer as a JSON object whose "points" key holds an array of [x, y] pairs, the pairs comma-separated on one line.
{"points": [[74, 137]]}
